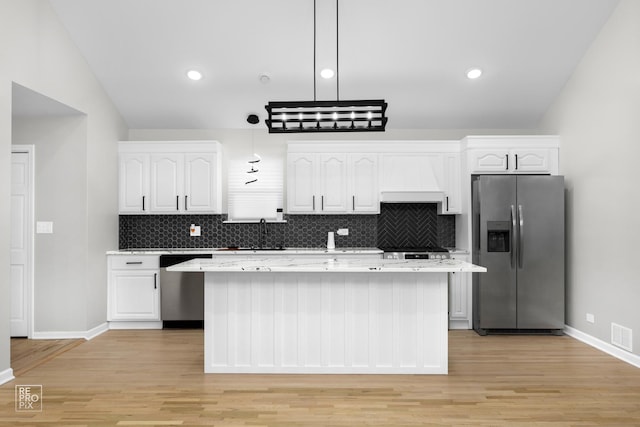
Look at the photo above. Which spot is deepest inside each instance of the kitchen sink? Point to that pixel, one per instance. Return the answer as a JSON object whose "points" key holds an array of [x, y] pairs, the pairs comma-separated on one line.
{"points": [[278, 248]]}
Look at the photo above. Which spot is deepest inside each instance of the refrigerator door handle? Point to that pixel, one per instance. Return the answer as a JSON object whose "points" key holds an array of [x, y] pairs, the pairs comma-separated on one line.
{"points": [[513, 235], [520, 236]]}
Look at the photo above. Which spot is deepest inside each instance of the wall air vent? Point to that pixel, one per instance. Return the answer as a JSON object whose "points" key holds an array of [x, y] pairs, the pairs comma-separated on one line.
{"points": [[621, 337]]}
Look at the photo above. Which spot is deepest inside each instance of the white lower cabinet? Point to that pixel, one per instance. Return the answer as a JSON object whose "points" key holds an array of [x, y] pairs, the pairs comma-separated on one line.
{"points": [[460, 298], [133, 292]]}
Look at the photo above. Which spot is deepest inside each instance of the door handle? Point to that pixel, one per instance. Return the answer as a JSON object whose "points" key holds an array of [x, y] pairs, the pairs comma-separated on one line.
{"points": [[322, 203], [155, 280], [520, 237], [507, 168], [353, 203], [177, 203], [143, 202], [313, 201], [516, 161], [513, 236], [134, 262], [447, 198], [185, 203]]}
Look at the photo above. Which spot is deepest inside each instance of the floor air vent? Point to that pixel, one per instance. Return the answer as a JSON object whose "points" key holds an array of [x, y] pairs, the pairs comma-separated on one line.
{"points": [[621, 337]]}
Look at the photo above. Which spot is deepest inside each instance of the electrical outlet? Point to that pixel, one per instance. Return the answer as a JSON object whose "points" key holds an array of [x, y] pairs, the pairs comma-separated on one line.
{"points": [[343, 232], [591, 318], [194, 230]]}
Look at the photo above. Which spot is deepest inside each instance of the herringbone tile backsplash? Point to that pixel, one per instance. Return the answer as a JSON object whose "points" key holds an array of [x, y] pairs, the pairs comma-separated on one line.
{"points": [[414, 225], [398, 224]]}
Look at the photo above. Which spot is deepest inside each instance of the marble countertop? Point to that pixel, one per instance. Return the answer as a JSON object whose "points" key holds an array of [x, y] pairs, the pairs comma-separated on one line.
{"points": [[284, 264], [247, 251]]}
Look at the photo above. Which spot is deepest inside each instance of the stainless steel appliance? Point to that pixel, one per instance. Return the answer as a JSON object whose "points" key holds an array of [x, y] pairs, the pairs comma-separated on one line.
{"points": [[181, 294], [518, 235], [431, 252]]}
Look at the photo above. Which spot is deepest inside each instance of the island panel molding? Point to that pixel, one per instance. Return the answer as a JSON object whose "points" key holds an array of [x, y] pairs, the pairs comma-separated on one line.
{"points": [[345, 323]]}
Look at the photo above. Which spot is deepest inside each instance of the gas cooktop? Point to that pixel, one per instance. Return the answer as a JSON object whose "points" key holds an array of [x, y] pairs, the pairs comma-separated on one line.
{"points": [[406, 252]]}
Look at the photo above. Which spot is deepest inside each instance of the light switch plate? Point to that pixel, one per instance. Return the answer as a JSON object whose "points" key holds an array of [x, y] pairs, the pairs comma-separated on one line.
{"points": [[343, 232], [44, 227]]}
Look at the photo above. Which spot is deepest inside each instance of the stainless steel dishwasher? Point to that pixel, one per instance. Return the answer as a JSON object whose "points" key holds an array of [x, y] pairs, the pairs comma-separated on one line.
{"points": [[181, 294]]}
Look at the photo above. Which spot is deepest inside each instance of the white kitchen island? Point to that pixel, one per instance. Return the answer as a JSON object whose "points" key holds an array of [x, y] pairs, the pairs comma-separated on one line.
{"points": [[352, 316]]}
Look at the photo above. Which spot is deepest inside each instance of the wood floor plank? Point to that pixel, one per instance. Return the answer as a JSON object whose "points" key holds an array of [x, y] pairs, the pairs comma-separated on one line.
{"points": [[26, 354], [155, 378]]}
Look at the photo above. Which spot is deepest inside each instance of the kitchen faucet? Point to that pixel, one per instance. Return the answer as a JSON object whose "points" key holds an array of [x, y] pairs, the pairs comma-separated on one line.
{"points": [[262, 233]]}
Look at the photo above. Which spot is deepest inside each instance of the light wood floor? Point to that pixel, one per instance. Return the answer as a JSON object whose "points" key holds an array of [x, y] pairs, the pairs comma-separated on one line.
{"points": [[28, 354], [155, 378]]}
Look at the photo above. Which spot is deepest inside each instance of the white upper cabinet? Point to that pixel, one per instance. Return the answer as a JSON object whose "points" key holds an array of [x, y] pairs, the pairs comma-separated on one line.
{"points": [[133, 183], [363, 183], [170, 177], [201, 182], [167, 182], [451, 184], [332, 183], [532, 160], [302, 178], [512, 154]]}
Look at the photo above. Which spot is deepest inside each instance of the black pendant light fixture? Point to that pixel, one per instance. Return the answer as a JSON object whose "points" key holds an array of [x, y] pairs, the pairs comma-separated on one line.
{"points": [[253, 119], [364, 115]]}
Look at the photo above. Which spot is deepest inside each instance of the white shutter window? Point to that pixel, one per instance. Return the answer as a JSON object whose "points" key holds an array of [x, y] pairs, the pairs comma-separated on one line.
{"points": [[260, 199]]}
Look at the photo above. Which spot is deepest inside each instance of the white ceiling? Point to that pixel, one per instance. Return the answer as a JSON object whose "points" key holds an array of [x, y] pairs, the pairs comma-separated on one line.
{"points": [[412, 53]]}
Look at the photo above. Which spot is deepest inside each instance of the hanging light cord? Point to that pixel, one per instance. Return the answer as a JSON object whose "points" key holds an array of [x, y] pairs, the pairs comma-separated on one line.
{"points": [[337, 58], [314, 50], [337, 53]]}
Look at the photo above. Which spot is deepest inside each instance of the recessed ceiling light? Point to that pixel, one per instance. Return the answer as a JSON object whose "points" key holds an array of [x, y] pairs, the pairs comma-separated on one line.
{"points": [[194, 74], [327, 73], [474, 73]]}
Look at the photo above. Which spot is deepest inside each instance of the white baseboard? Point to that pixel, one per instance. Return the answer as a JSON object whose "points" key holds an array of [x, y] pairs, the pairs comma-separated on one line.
{"points": [[135, 325], [6, 376], [614, 351], [98, 330], [459, 324], [63, 335]]}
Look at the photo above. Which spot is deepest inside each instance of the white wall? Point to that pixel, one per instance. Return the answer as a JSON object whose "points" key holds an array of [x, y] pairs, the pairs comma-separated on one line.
{"points": [[37, 54], [60, 270], [597, 116]]}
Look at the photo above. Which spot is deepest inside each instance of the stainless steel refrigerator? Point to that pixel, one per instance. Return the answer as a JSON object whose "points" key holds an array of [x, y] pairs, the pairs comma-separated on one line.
{"points": [[518, 235]]}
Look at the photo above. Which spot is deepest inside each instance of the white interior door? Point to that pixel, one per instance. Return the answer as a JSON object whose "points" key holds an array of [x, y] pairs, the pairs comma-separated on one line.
{"points": [[21, 242]]}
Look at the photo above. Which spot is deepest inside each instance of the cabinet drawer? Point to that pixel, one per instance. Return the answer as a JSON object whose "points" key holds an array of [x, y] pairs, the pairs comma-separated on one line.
{"points": [[135, 262]]}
